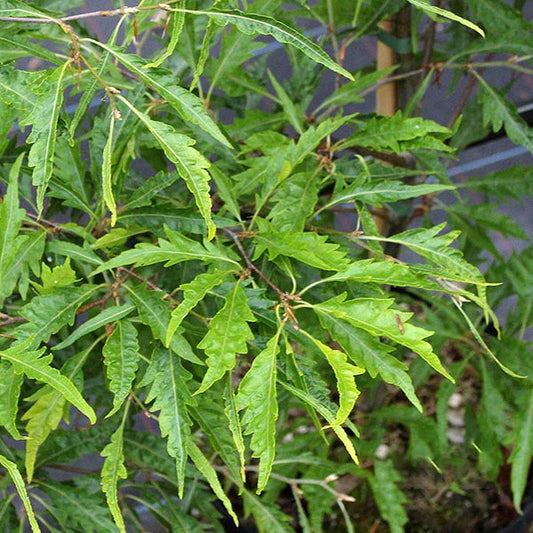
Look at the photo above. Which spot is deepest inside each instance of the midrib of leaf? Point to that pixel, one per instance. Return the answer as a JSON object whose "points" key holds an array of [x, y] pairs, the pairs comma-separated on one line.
{"points": [[19, 95]]}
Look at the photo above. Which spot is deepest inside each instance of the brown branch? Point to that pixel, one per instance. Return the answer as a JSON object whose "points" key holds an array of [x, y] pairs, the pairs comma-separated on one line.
{"points": [[284, 297], [11, 320], [463, 100], [102, 13]]}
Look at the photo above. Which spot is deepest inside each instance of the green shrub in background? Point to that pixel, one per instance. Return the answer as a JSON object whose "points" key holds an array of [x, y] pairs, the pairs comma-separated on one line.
{"points": [[177, 296]]}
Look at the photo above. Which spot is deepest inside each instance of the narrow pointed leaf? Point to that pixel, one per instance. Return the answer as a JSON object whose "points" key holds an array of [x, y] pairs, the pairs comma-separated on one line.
{"points": [[344, 373], [44, 119], [378, 318], [14, 473], [257, 396], [121, 354], [522, 451], [36, 367], [193, 293], [190, 163], [155, 313], [176, 27], [227, 336], [371, 354], [498, 112], [329, 416], [113, 471], [209, 473], [111, 314], [255, 24], [389, 498], [107, 174], [10, 384], [47, 314], [11, 217], [188, 105], [170, 396], [176, 250], [307, 247], [435, 10]]}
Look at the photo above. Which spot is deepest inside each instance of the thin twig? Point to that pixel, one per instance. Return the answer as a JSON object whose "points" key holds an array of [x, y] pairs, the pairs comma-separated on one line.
{"points": [[283, 296], [102, 13]]}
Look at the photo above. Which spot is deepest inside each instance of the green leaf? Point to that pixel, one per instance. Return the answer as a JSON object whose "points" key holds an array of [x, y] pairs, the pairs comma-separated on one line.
{"points": [[190, 163], [498, 112], [522, 450], [253, 24], [293, 114], [438, 250], [107, 173], [50, 407], [295, 199], [374, 193], [378, 318], [82, 505], [108, 315], [121, 354], [306, 247], [143, 195], [13, 47], [232, 417], [371, 354], [78, 253], [268, 516], [36, 367], [10, 384], [179, 249], [344, 373], [209, 473], [53, 279], [434, 10], [389, 498], [42, 418], [209, 413], [11, 217], [14, 473], [28, 256], [47, 314], [398, 134], [43, 119], [188, 105], [325, 412], [227, 337], [170, 394], [193, 293], [176, 27], [155, 313], [513, 182], [257, 396], [113, 471]]}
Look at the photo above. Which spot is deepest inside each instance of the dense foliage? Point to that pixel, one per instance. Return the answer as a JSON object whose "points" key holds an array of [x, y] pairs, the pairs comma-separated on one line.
{"points": [[205, 295]]}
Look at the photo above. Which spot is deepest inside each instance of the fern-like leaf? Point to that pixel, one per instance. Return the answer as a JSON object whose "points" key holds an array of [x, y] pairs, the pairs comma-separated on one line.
{"points": [[44, 118], [227, 336], [113, 471], [170, 395], [121, 353], [257, 396]]}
